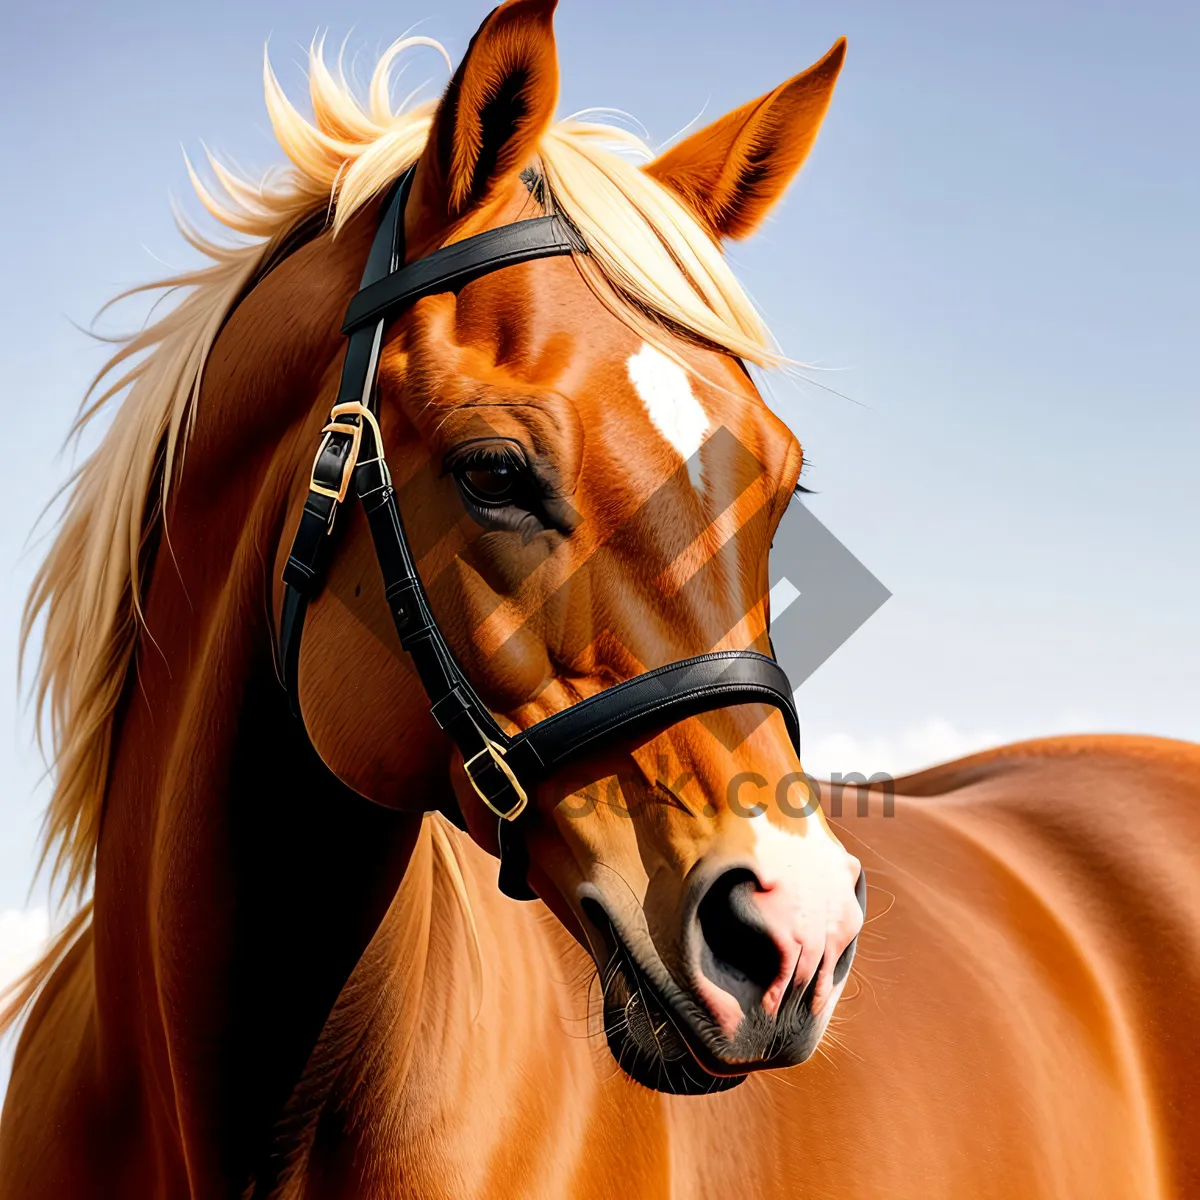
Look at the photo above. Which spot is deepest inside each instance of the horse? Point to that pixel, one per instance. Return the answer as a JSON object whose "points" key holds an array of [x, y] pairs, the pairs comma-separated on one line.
{"points": [[292, 974]]}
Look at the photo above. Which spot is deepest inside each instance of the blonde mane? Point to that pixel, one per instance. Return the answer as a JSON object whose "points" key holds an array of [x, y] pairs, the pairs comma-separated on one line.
{"points": [[650, 262]]}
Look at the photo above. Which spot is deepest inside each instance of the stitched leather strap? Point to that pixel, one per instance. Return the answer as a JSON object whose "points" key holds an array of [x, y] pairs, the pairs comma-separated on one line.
{"points": [[643, 704], [457, 264], [648, 703], [350, 462], [312, 545]]}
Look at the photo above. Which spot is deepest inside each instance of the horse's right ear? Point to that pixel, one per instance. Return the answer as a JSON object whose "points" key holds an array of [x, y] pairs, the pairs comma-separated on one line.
{"points": [[495, 110]]}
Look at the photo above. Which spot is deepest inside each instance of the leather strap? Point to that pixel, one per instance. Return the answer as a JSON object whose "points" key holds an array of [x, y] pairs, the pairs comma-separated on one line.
{"points": [[654, 701], [304, 573], [351, 462], [387, 286], [457, 264]]}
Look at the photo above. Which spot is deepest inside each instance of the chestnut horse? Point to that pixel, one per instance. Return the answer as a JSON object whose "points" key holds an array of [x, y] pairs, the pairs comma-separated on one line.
{"points": [[292, 979]]}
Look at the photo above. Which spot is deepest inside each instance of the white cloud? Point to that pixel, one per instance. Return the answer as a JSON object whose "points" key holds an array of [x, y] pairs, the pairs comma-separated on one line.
{"points": [[23, 933], [925, 745]]}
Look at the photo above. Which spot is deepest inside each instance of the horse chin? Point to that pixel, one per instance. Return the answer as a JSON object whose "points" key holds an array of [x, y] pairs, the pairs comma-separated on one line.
{"points": [[646, 1041], [666, 1043]]}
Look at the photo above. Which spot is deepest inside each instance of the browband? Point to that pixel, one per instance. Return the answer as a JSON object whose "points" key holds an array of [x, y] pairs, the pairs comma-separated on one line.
{"points": [[502, 768], [457, 264]]}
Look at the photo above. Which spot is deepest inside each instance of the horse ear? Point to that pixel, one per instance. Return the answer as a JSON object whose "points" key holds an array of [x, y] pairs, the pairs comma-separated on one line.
{"points": [[732, 172], [495, 109]]}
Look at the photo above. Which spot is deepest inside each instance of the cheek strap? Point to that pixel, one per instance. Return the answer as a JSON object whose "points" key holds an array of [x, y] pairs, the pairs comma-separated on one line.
{"points": [[350, 463]]}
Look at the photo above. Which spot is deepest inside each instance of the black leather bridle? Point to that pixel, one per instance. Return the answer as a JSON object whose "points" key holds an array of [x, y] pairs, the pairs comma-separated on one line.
{"points": [[502, 768]]}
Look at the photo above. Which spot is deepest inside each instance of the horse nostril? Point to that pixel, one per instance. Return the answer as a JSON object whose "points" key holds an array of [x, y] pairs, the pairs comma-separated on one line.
{"points": [[738, 954]]}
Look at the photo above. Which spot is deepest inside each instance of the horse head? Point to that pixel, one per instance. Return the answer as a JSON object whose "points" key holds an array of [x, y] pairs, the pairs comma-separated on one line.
{"points": [[590, 481]]}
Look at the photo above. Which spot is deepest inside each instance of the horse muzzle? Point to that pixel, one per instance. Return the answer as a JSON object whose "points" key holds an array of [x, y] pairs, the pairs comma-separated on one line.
{"points": [[751, 999]]}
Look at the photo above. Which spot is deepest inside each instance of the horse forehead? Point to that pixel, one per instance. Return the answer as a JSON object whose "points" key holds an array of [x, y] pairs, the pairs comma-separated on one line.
{"points": [[538, 329]]}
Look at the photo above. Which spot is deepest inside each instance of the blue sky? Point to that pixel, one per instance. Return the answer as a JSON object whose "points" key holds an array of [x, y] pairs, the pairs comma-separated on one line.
{"points": [[992, 253]]}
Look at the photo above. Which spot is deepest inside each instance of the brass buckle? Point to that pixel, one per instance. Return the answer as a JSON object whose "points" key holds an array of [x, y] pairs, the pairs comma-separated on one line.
{"points": [[355, 432], [496, 753]]}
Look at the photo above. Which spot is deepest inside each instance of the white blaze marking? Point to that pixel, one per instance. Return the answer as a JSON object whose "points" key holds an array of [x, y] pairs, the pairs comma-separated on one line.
{"points": [[781, 597], [807, 897], [781, 854], [666, 391]]}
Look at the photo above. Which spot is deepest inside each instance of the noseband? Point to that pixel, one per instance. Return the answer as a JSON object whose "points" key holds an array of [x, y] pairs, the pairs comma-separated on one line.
{"points": [[503, 769]]}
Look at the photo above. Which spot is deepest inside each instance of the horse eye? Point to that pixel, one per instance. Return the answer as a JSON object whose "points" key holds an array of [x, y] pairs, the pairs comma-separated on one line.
{"points": [[491, 484]]}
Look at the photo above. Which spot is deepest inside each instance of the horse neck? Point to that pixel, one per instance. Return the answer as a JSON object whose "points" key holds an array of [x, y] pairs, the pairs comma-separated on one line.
{"points": [[237, 882], [466, 1020]]}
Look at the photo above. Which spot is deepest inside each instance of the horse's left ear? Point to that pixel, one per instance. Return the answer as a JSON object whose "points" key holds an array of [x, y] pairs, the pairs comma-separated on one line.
{"points": [[731, 172], [495, 109]]}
